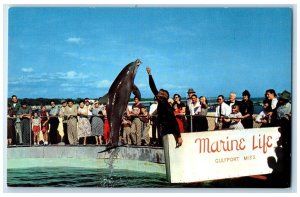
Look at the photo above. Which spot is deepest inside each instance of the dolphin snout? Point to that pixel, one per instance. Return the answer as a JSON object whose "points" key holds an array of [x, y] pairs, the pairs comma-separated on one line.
{"points": [[138, 62]]}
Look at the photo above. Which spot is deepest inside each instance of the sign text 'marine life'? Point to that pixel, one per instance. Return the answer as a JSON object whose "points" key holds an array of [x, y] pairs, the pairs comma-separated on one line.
{"points": [[258, 142], [220, 154]]}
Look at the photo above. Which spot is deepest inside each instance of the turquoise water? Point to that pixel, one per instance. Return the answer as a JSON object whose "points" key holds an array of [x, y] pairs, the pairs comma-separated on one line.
{"points": [[82, 177], [48, 172], [41, 172]]}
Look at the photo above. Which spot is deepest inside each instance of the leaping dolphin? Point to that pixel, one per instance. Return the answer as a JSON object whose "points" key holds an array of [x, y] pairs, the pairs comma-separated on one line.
{"points": [[118, 97]]}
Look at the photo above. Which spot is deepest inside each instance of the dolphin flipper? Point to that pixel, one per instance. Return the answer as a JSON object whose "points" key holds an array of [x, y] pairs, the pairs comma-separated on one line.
{"points": [[136, 91]]}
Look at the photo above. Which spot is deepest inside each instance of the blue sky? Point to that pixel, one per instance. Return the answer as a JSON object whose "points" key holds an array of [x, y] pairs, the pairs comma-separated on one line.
{"points": [[78, 52]]}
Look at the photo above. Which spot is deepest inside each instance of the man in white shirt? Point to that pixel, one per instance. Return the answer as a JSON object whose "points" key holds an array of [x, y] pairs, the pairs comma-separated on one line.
{"points": [[222, 110], [194, 106], [195, 109], [190, 93]]}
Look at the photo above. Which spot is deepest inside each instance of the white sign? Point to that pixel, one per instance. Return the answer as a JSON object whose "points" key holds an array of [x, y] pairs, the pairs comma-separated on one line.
{"points": [[221, 154]]}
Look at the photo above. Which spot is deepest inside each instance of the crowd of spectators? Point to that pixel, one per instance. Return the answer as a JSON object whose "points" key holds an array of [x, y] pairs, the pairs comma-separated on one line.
{"points": [[68, 124], [87, 123]]}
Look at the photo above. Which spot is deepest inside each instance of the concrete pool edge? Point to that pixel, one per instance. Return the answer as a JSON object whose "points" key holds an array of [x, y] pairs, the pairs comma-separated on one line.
{"points": [[141, 153]]}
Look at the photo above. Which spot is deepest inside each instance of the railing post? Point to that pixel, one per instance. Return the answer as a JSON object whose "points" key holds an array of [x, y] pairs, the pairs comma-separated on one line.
{"points": [[30, 131], [191, 117], [15, 129]]}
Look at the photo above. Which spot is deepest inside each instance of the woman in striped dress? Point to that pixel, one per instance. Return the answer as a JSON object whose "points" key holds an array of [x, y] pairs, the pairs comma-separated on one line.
{"points": [[97, 123]]}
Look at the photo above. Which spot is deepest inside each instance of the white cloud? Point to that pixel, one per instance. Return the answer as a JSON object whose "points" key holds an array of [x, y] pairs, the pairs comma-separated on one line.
{"points": [[14, 82], [89, 58], [70, 54], [65, 85], [84, 58], [142, 85], [69, 89], [74, 40], [71, 74], [174, 86], [103, 84], [27, 70]]}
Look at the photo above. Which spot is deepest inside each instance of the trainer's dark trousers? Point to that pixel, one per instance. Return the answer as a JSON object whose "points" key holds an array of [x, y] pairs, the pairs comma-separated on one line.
{"points": [[65, 138], [53, 133]]}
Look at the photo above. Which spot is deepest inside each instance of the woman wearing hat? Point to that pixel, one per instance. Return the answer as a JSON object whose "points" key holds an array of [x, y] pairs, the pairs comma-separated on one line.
{"points": [[284, 109], [165, 112]]}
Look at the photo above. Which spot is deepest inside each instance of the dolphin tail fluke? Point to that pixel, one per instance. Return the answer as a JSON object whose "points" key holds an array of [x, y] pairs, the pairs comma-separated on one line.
{"points": [[110, 147]]}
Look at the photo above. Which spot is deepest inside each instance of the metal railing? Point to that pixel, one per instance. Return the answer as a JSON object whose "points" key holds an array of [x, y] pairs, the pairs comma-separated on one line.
{"points": [[188, 126]]}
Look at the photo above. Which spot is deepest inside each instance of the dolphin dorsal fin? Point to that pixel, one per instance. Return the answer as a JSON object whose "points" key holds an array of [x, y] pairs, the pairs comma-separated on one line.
{"points": [[136, 91], [104, 99]]}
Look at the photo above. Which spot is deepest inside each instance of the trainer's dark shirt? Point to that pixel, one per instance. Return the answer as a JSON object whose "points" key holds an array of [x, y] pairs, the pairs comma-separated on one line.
{"points": [[165, 113]]}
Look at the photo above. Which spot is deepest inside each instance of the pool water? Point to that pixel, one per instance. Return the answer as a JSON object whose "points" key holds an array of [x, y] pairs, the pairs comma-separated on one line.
{"points": [[42, 172], [54, 172], [81, 177]]}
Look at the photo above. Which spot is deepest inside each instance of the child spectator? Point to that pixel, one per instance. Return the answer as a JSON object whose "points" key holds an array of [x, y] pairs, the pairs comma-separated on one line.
{"points": [[44, 115], [235, 118], [126, 125], [145, 118], [36, 121]]}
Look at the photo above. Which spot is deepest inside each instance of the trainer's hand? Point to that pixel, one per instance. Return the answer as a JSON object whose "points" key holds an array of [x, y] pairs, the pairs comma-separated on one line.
{"points": [[179, 142], [148, 70]]}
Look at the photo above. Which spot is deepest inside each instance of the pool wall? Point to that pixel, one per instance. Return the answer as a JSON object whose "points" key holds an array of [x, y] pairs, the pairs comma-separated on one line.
{"points": [[150, 154]]}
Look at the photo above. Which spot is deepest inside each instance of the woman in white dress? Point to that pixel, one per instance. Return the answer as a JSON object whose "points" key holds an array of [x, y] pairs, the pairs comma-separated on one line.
{"points": [[84, 126]]}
